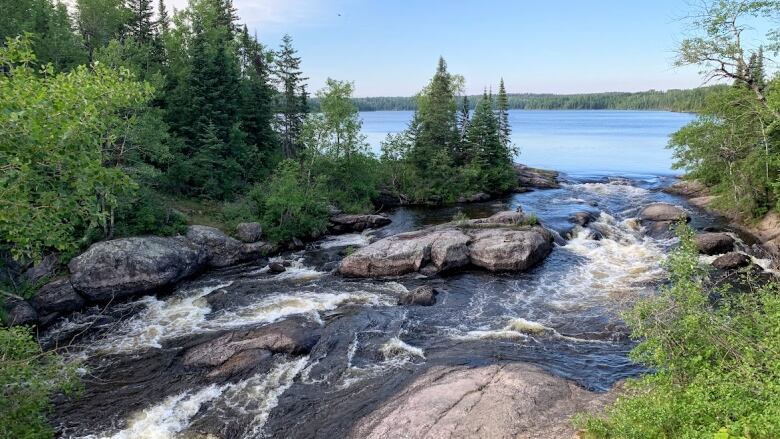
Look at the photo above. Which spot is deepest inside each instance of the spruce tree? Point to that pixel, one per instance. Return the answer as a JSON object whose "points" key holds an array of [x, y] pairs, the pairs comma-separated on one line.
{"points": [[292, 105], [463, 117], [141, 26], [163, 20], [504, 130], [487, 155]]}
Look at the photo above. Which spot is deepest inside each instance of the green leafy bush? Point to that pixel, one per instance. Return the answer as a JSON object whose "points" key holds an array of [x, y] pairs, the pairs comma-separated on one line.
{"points": [[717, 363], [28, 378], [146, 213]]}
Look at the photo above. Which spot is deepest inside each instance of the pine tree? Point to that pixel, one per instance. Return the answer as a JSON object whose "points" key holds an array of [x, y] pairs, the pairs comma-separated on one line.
{"points": [[504, 130], [163, 20], [463, 117], [755, 69], [485, 151], [293, 105], [141, 27]]}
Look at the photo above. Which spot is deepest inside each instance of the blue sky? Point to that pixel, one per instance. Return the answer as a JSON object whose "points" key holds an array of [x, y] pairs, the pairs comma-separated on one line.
{"points": [[390, 48]]}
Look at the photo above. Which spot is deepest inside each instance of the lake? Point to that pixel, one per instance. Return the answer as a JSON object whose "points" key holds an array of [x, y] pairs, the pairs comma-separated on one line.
{"points": [[578, 142]]}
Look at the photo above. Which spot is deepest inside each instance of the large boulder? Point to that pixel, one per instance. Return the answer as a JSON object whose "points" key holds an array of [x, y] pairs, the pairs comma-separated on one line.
{"points": [[688, 189], [714, 243], [528, 177], [249, 232], [500, 401], [407, 253], [423, 296], [510, 250], [663, 212], [222, 250], [127, 266], [45, 268], [344, 223], [18, 312], [501, 242], [57, 297], [731, 261]]}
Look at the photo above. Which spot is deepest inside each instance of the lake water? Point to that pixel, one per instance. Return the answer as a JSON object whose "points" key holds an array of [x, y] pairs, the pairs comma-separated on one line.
{"points": [[578, 142]]}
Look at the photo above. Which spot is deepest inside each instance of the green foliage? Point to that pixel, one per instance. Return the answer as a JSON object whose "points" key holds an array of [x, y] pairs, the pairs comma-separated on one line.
{"points": [[294, 205], [28, 378], [717, 363], [59, 129], [145, 213]]}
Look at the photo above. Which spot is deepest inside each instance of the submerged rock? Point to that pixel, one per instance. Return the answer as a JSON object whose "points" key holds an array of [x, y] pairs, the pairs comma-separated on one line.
{"points": [[498, 401], [127, 266], [276, 267], [731, 261], [714, 243], [249, 232], [497, 243], [423, 296], [344, 223]]}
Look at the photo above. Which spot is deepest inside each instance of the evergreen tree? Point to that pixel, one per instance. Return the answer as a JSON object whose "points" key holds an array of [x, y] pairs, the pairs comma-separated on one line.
{"points": [[504, 130], [100, 21], [163, 20], [141, 26], [485, 151], [463, 117], [293, 105], [755, 69]]}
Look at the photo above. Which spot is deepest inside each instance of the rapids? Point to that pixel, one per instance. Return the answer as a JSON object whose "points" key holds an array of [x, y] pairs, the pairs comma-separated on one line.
{"points": [[563, 316]]}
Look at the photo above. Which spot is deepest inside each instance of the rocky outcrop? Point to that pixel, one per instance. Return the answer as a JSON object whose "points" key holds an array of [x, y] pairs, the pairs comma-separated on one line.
{"points": [[731, 261], [714, 243], [498, 243], [528, 177], [658, 219], [505, 401], [423, 296], [249, 232], [688, 189], [57, 298], [127, 266], [344, 223]]}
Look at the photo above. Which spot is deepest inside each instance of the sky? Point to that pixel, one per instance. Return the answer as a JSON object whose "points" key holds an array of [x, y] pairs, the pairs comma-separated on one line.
{"points": [[390, 48]]}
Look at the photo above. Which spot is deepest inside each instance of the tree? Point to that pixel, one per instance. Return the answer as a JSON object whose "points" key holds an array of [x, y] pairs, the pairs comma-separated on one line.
{"points": [[100, 21], [141, 25], [163, 20], [488, 157], [56, 188], [293, 105], [463, 117], [502, 104]]}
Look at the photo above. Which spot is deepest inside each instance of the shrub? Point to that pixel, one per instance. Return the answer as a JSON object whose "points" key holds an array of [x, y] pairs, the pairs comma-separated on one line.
{"points": [[28, 378], [717, 363], [147, 213]]}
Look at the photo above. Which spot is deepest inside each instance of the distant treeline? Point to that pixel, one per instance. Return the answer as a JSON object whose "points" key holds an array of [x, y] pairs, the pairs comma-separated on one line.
{"points": [[691, 100]]}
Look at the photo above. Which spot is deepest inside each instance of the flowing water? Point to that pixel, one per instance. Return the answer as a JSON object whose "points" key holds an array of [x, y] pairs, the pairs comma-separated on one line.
{"points": [[563, 315]]}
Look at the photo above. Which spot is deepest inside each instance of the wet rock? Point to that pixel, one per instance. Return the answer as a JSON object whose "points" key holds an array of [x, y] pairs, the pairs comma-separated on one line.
{"points": [[127, 266], [294, 336], [731, 261], [423, 296], [344, 223], [663, 212], [240, 362], [528, 177], [249, 232], [498, 401], [583, 218], [222, 250], [688, 189], [276, 268], [714, 243], [510, 250], [407, 253], [57, 297], [19, 312], [219, 299], [43, 269], [256, 250], [296, 244]]}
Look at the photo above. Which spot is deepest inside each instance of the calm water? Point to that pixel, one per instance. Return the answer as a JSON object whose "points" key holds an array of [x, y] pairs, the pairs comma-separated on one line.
{"points": [[598, 142]]}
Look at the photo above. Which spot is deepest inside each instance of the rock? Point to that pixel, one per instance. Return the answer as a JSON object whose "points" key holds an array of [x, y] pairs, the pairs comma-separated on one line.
{"points": [[275, 267], [127, 266], [43, 269], [583, 218], [688, 189], [501, 401], [509, 250], [18, 312], [249, 232], [714, 243], [536, 178], [475, 198], [57, 297], [344, 223], [407, 253], [731, 261], [663, 212], [497, 243], [240, 362], [256, 250], [387, 199], [296, 244], [423, 296], [221, 249], [295, 336]]}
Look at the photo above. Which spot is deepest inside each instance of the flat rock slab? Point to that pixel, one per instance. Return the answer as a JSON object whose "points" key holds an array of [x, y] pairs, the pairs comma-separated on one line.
{"points": [[498, 402]]}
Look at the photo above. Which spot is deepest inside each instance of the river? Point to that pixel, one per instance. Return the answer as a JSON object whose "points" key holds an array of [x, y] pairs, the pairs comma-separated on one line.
{"points": [[562, 315]]}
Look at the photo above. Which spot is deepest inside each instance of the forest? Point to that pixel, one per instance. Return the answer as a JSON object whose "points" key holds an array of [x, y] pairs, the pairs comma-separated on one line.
{"points": [[690, 101]]}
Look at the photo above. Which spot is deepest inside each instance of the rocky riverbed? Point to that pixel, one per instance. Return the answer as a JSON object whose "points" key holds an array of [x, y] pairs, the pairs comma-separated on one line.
{"points": [[501, 325]]}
